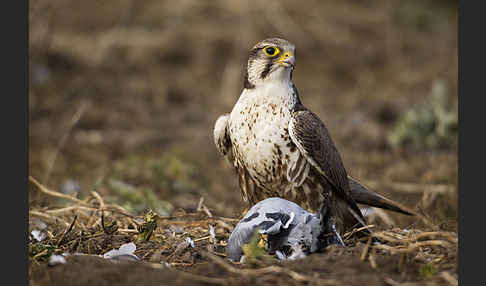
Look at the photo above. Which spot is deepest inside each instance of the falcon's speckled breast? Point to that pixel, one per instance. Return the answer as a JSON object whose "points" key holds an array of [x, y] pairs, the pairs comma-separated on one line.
{"points": [[261, 145]]}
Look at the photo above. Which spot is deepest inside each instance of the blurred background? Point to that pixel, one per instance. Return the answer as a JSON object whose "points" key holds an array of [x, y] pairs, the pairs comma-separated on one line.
{"points": [[123, 96]]}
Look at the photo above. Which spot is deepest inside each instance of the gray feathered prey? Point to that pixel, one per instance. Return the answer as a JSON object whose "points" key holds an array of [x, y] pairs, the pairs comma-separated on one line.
{"points": [[292, 231]]}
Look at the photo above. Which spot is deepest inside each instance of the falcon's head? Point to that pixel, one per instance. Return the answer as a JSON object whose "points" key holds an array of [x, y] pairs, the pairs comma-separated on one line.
{"points": [[270, 59]]}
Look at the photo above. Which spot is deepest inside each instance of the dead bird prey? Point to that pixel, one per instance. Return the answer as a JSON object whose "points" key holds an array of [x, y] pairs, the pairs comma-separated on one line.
{"points": [[280, 148], [291, 231]]}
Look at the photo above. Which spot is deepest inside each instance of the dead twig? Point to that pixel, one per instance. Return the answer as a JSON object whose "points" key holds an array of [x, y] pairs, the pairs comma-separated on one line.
{"points": [[197, 215], [449, 278], [118, 209], [69, 209], [56, 194], [202, 238], [412, 247], [202, 208], [387, 237], [67, 231], [127, 230], [111, 229], [355, 230], [372, 258], [48, 217], [366, 249], [99, 199]]}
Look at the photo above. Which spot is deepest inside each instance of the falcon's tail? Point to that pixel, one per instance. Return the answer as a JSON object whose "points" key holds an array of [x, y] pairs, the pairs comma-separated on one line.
{"points": [[351, 219], [362, 195]]}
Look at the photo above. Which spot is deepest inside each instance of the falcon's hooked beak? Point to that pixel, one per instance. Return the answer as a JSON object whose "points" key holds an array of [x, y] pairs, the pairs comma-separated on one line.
{"points": [[287, 60]]}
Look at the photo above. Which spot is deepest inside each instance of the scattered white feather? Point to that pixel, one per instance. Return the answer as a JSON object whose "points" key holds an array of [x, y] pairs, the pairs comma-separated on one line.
{"points": [[38, 235], [124, 252], [190, 242], [211, 231], [56, 260]]}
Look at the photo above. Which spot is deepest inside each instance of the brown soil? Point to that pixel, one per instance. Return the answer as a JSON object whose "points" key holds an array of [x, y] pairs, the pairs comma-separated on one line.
{"points": [[346, 268]]}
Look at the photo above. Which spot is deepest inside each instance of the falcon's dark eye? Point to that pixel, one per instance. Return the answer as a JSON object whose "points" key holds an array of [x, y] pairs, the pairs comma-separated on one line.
{"points": [[271, 51]]}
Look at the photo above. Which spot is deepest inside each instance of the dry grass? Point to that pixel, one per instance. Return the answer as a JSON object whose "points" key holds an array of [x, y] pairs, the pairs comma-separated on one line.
{"points": [[83, 227]]}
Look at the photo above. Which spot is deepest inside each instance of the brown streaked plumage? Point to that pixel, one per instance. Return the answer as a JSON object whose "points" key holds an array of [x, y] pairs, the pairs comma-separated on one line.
{"points": [[279, 148]]}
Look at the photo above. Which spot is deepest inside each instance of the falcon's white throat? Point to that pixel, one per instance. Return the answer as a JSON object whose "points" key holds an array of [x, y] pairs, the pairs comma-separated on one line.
{"points": [[278, 73], [277, 84]]}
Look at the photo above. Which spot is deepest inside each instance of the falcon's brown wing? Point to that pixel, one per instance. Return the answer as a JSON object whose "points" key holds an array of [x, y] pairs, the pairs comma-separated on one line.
{"points": [[314, 142]]}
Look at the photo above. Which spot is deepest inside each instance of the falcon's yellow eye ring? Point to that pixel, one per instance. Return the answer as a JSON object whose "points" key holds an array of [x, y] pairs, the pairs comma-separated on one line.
{"points": [[271, 51]]}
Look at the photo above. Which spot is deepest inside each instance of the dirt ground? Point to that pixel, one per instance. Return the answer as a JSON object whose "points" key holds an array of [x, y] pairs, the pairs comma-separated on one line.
{"points": [[122, 104]]}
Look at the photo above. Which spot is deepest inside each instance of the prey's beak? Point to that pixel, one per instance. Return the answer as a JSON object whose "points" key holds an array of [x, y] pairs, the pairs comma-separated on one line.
{"points": [[287, 60]]}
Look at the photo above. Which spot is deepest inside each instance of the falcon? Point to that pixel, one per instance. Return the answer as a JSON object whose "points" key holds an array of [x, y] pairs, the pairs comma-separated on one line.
{"points": [[280, 148]]}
